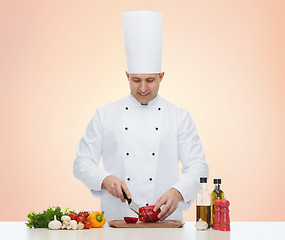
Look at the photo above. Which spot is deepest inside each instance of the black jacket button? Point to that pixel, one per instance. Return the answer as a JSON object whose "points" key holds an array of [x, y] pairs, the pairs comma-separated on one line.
{"points": [[150, 179], [128, 179], [127, 154], [127, 108], [126, 128], [159, 109], [146, 204], [156, 128], [153, 154]]}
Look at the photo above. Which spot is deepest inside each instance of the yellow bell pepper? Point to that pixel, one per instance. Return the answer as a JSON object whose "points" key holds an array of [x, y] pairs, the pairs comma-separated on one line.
{"points": [[96, 219]]}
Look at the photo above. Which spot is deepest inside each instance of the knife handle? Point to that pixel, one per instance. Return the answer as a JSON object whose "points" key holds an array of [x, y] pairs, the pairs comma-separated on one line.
{"points": [[125, 196]]}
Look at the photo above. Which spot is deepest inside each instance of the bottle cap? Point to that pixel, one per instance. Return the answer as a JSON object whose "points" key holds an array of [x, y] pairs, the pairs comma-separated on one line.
{"points": [[218, 202], [203, 180], [217, 181], [225, 203]]}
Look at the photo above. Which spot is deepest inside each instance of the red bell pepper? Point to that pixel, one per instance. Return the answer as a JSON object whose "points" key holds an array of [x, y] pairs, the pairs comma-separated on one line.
{"points": [[130, 219], [146, 214]]}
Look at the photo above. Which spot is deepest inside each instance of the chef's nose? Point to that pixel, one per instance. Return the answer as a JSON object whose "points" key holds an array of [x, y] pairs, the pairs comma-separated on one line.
{"points": [[143, 86]]}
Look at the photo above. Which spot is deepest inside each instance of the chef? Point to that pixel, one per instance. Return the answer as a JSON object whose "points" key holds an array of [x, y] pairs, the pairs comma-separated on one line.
{"points": [[142, 137]]}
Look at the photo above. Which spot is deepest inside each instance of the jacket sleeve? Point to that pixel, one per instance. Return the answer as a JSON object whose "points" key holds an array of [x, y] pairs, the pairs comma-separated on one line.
{"points": [[191, 154], [88, 155]]}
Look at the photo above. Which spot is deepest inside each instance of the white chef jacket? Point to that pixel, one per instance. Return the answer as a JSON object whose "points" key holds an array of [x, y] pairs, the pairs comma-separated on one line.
{"points": [[142, 145]]}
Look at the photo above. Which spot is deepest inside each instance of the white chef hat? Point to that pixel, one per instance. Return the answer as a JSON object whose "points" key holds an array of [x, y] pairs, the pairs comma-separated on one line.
{"points": [[143, 41]]}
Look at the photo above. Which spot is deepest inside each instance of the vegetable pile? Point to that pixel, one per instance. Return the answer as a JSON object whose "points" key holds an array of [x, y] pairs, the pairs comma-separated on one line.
{"points": [[41, 220], [54, 218]]}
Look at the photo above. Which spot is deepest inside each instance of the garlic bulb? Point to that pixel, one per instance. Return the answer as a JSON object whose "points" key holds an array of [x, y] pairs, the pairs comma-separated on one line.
{"points": [[201, 225], [54, 224]]}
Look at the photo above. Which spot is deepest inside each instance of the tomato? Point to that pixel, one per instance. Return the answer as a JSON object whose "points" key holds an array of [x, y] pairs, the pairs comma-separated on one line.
{"points": [[73, 216], [87, 225], [84, 214], [130, 219], [80, 219]]}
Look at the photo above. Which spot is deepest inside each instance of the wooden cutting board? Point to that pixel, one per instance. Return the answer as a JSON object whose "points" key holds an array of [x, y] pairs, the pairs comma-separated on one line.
{"points": [[163, 224]]}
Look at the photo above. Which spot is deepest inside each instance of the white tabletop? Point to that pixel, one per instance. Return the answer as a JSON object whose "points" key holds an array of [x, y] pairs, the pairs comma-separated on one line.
{"points": [[239, 230]]}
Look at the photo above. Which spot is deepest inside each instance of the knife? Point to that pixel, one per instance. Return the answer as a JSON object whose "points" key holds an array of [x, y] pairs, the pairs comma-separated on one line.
{"points": [[133, 206]]}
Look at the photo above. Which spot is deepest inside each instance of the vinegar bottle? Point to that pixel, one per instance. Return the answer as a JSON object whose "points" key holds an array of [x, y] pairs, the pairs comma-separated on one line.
{"points": [[217, 193], [203, 203]]}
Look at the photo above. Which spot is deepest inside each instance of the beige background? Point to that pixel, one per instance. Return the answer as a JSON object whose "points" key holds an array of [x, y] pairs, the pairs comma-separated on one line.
{"points": [[223, 62]]}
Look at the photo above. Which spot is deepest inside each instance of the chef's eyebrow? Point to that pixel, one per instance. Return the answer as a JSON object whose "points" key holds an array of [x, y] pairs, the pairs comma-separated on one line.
{"points": [[140, 79]]}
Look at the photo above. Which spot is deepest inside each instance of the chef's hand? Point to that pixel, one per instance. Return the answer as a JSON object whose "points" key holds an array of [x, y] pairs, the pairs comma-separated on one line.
{"points": [[114, 186], [170, 199]]}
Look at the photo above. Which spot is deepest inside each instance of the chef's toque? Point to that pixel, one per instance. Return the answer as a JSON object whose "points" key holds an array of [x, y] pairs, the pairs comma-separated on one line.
{"points": [[143, 41]]}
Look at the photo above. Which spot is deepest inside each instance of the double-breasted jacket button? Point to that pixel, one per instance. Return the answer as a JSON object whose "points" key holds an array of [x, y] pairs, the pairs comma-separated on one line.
{"points": [[128, 179], [156, 128], [159, 109], [146, 204], [127, 108], [150, 179], [127, 154], [153, 154], [126, 128]]}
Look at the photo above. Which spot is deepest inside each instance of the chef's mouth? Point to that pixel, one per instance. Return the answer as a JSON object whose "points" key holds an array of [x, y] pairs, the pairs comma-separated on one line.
{"points": [[143, 95]]}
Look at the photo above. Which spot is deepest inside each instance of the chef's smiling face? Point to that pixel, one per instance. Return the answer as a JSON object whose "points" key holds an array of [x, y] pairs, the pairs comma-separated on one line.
{"points": [[144, 87]]}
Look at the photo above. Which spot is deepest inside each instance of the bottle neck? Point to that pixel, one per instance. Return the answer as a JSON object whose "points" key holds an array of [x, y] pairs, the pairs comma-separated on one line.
{"points": [[204, 186], [217, 187], [217, 190]]}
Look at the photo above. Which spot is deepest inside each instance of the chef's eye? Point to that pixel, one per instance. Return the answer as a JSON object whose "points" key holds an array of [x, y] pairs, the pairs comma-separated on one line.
{"points": [[136, 80], [150, 80]]}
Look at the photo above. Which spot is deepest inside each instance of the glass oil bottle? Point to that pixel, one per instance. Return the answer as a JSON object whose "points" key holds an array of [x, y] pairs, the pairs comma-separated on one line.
{"points": [[203, 203], [217, 193]]}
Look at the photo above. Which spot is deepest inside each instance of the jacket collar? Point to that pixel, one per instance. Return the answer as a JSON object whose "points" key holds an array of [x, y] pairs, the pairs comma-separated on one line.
{"points": [[153, 102]]}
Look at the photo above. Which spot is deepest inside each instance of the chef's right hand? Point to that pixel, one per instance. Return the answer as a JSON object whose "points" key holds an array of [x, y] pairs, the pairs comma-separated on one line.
{"points": [[114, 186]]}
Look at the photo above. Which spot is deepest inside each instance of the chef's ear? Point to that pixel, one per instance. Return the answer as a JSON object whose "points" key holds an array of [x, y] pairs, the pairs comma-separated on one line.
{"points": [[128, 75], [161, 76]]}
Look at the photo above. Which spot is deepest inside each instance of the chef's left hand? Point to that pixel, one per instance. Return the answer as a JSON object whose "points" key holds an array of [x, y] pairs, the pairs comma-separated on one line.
{"points": [[170, 199]]}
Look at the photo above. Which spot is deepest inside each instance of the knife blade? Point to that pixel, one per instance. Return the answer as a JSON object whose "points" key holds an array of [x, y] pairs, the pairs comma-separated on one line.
{"points": [[133, 206]]}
